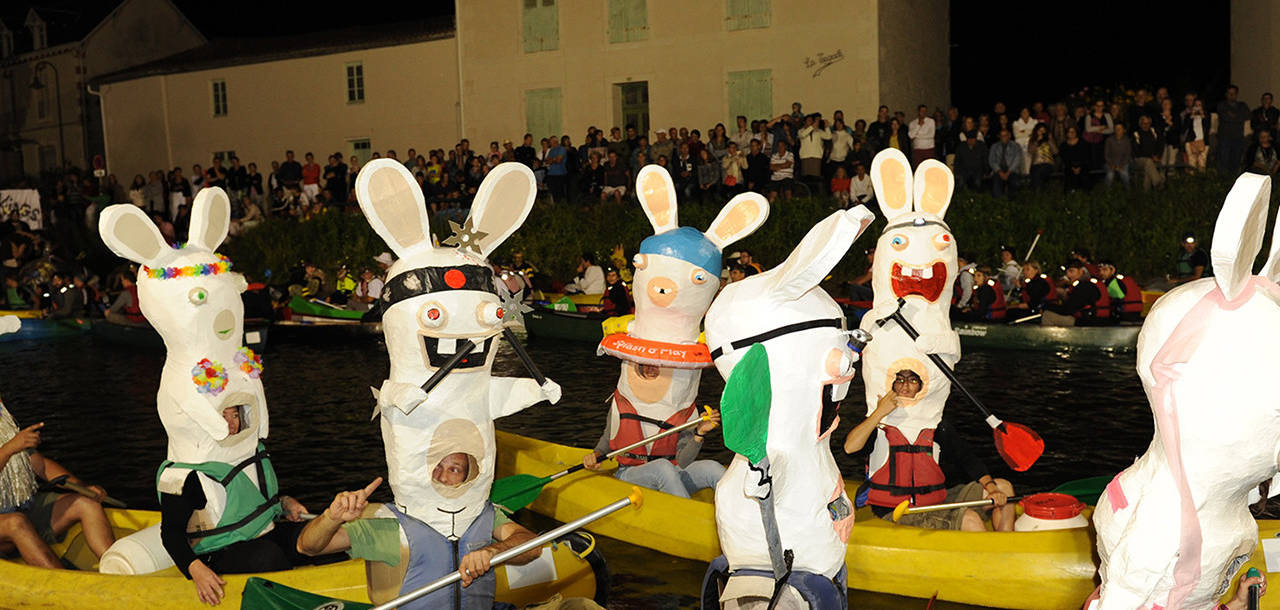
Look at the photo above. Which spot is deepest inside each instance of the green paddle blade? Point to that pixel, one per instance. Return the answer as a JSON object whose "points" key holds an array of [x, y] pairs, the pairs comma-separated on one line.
{"points": [[261, 594], [1086, 490], [744, 406], [517, 491]]}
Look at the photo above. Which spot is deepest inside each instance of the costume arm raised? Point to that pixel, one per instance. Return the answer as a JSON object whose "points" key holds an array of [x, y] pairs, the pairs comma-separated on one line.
{"points": [[509, 395]]}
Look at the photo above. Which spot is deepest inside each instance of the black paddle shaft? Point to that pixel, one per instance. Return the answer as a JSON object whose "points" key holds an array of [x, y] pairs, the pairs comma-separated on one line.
{"points": [[465, 348], [524, 356], [897, 316]]}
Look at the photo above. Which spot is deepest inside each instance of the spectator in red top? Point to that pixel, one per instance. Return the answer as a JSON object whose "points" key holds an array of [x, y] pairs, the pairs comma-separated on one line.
{"points": [[311, 177]]}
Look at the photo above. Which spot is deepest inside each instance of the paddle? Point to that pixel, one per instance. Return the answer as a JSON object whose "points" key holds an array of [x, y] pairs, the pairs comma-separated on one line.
{"points": [[1017, 444], [635, 499], [1027, 319], [523, 355], [464, 348], [1033, 245], [85, 491], [518, 491], [1085, 490]]}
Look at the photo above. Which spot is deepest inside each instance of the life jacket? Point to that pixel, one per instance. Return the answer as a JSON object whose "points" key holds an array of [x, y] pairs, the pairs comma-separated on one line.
{"points": [[248, 509], [433, 556], [1049, 291], [629, 431], [997, 309], [910, 472], [1132, 302], [818, 591], [132, 311], [1101, 308]]}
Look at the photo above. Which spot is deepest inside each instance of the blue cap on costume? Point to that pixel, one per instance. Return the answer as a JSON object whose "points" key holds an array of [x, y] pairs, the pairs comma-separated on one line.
{"points": [[686, 244]]}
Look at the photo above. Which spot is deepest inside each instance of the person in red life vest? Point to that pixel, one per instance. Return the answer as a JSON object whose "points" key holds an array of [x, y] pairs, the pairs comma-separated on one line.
{"points": [[1036, 289], [1082, 255], [987, 304], [1086, 304], [617, 300], [912, 471], [669, 464], [1126, 295], [124, 310]]}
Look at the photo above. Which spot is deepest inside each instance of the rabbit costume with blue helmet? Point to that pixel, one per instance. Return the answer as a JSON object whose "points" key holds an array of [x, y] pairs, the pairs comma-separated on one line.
{"points": [[677, 275]]}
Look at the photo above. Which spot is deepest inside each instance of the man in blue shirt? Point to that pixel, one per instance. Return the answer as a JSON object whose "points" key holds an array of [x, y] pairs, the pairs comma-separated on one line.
{"points": [[557, 172], [1004, 157]]}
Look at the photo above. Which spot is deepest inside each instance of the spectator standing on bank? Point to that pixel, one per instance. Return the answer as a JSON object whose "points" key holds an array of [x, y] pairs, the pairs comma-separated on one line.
{"points": [[1118, 155], [290, 173], [1264, 117], [758, 171], [971, 162], [922, 131], [1232, 115], [1005, 157], [311, 176], [878, 132], [1148, 147]]}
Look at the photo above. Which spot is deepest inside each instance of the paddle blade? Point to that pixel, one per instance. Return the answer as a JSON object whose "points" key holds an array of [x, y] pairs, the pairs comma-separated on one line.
{"points": [[262, 594], [1019, 445], [744, 406], [1086, 490], [517, 491]]}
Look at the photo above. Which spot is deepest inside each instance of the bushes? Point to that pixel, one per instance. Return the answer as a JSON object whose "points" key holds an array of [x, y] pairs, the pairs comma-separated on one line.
{"points": [[1138, 230]]}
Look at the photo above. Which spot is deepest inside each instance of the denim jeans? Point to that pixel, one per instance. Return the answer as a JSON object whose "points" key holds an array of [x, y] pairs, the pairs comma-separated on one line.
{"points": [[666, 477], [1123, 172]]}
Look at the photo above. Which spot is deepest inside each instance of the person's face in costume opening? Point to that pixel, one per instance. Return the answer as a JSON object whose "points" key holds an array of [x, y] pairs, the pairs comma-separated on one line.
{"points": [[452, 470], [906, 384], [232, 415]]}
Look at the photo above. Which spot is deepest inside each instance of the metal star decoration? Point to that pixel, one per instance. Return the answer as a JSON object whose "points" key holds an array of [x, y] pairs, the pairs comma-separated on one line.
{"points": [[513, 308], [465, 236]]}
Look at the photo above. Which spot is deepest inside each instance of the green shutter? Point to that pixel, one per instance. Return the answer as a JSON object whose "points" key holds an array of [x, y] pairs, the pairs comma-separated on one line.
{"points": [[541, 23], [542, 112], [759, 13], [747, 14], [637, 20], [618, 18], [751, 94]]}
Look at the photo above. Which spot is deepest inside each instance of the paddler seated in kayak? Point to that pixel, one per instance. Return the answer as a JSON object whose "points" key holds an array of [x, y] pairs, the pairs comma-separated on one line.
{"points": [[912, 467], [1037, 289], [671, 464], [590, 279], [30, 519], [270, 552], [1125, 293], [124, 310], [617, 300], [987, 304], [373, 533], [1192, 262], [16, 296], [1086, 303]]}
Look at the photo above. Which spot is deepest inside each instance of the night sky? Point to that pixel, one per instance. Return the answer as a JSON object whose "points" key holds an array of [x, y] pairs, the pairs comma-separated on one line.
{"points": [[1029, 51]]}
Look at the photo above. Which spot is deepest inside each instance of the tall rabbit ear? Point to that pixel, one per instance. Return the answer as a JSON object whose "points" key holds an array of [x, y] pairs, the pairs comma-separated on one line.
{"points": [[1271, 270], [891, 178], [822, 247], [392, 202], [1237, 236], [210, 218], [657, 195], [738, 219], [502, 204], [130, 234], [934, 184]]}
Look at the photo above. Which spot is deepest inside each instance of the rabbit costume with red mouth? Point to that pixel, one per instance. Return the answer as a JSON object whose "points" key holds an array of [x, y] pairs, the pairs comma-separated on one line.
{"points": [[916, 266], [780, 342], [440, 301], [192, 298], [1175, 527], [677, 275]]}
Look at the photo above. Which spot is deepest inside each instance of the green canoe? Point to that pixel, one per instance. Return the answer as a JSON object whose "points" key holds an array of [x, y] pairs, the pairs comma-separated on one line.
{"points": [[543, 323], [303, 307], [1031, 336], [41, 329]]}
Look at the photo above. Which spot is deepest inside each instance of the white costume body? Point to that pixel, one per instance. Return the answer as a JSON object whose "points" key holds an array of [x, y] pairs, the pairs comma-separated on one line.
{"points": [[916, 260], [420, 429], [1175, 527], [803, 366]]}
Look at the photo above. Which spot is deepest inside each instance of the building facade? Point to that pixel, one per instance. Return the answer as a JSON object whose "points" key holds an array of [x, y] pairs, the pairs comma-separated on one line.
{"points": [[548, 67]]}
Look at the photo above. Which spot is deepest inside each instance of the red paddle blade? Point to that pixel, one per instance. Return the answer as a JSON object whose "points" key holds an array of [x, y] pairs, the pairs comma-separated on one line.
{"points": [[1019, 445]]}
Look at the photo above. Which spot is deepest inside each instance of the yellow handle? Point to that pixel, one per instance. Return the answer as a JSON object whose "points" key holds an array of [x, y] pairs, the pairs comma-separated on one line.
{"points": [[900, 510], [706, 412], [636, 497]]}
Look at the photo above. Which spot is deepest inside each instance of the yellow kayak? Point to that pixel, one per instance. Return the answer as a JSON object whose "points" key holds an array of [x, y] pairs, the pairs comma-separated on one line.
{"points": [[575, 574], [1025, 570]]}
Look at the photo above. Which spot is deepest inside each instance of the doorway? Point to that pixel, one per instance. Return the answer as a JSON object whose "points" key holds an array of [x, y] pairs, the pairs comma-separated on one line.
{"points": [[632, 105]]}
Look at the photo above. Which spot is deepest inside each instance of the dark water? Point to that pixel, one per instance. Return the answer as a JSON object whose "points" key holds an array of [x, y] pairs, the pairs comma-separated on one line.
{"points": [[98, 405]]}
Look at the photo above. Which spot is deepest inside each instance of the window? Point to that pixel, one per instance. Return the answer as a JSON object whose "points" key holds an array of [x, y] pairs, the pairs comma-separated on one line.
{"points": [[359, 149], [355, 83], [6, 42], [225, 156], [750, 95], [541, 26], [628, 20], [747, 14], [219, 98], [542, 112]]}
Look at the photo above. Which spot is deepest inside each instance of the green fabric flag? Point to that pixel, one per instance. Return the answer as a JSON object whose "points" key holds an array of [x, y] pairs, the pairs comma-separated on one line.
{"points": [[744, 406], [261, 594]]}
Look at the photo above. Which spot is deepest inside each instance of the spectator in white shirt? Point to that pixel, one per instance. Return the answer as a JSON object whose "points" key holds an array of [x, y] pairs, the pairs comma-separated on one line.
{"points": [[742, 137], [811, 136], [1022, 129], [841, 144], [860, 190], [921, 132], [782, 165], [368, 291], [590, 278]]}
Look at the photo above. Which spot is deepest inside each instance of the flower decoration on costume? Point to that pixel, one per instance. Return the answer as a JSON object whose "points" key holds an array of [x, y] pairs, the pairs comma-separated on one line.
{"points": [[167, 273], [249, 362], [209, 377]]}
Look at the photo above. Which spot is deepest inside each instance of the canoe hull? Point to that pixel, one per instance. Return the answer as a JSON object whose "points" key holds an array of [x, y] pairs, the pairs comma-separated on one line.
{"points": [[545, 323], [1031, 336], [41, 329]]}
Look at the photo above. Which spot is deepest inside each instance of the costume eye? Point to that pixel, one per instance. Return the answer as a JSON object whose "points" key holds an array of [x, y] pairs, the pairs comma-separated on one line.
{"points": [[942, 240], [899, 242], [640, 261], [432, 315], [699, 276], [490, 314], [198, 296]]}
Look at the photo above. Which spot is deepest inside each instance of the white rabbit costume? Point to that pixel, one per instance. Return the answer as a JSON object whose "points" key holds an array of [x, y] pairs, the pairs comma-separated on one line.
{"points": [[788, 336], [191, 297], [677, 275], [915, 262], [436, 299], [1174, 528]]}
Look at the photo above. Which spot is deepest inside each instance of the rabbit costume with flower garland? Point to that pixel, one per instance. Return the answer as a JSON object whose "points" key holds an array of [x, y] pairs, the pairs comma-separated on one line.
{"points": [[1175, 527], [915, 265]]}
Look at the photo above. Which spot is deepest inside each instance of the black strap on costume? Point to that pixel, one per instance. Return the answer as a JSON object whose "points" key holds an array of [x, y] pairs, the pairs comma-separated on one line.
{"points": [[778, 332], [257, 512], [424, 280], [255, 459]]}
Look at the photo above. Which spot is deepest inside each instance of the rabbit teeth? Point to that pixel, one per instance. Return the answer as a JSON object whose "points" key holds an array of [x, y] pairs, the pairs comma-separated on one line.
{"points": [[447, 346]]}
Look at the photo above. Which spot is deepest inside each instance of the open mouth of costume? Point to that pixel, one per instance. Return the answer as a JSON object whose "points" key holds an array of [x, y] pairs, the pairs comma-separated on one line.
{"points": [[926, 281], [441, 349]]}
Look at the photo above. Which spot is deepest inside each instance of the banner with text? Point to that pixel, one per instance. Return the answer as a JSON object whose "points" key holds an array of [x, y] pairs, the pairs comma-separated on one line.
{"points": [[24, 201]]}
